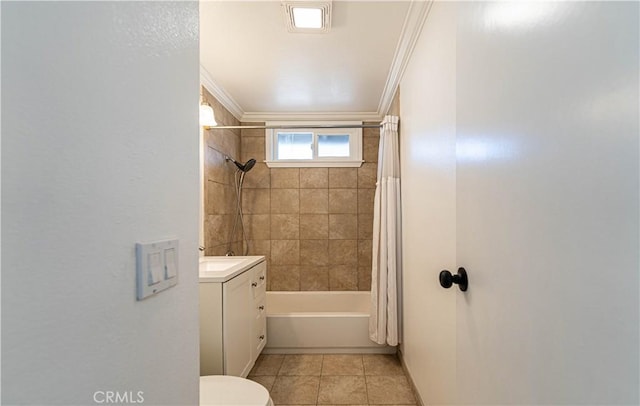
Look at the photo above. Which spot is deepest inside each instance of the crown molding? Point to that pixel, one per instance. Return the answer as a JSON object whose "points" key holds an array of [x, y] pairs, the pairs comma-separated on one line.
{"points": [[252, 117], [220, 94], [413, 23]]}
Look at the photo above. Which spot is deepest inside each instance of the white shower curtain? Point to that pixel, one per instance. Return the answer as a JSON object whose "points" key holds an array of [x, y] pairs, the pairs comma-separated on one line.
{"points": [[384, 323]]}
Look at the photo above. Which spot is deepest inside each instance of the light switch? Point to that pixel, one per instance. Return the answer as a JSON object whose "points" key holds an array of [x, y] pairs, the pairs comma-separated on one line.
{"points": [[155, 268], [170, 263]]}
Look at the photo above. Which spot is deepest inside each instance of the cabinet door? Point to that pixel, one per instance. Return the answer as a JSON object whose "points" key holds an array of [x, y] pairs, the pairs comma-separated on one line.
{"points": [[237, 305]]}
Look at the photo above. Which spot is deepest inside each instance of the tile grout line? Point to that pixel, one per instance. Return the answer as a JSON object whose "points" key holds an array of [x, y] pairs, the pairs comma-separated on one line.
{"points": [[320, 378], [299, 233], [364, 372], [280, 367]]}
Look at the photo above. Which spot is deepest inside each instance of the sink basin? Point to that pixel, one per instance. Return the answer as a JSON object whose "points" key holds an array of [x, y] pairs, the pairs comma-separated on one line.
{"points": [[222, 269], [219, 264]]}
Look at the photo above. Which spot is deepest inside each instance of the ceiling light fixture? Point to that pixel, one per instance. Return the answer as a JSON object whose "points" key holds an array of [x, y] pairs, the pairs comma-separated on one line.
{"points": [[305, 16]]}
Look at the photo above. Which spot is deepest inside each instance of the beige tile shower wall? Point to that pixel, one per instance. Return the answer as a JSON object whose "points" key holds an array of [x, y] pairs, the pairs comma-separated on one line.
{"points": [[314, 225], [219, 191]]}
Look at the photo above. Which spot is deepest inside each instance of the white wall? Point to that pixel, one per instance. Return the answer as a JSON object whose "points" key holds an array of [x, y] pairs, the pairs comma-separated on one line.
{"points": [[427, 155], [99, 151]]}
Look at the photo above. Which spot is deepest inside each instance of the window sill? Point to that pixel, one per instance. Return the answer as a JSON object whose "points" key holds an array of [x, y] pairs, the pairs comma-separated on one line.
{"points": [[313, 164]]}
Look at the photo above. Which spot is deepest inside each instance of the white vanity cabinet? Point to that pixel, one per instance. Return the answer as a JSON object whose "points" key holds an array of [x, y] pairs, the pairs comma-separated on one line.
{"points": [[233, 324]]}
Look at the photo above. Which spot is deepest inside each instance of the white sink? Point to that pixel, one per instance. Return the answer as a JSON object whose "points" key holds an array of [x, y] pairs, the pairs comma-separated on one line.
{"points": [[222, 269], [219, 264]]}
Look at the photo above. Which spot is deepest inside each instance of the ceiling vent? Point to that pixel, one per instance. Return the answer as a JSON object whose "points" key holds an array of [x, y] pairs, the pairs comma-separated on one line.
{"points": [[307, 16]]}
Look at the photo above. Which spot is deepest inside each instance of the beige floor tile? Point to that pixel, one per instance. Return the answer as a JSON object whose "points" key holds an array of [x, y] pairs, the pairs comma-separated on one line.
{"points": [[341, 390], [379, 364], [267, 365], [301, 364], [389, 390], [342, 364], [264, 380], [295, 390]]}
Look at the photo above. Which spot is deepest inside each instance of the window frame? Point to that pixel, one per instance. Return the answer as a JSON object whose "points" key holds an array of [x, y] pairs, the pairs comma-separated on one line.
{"points": [[355, 145]]}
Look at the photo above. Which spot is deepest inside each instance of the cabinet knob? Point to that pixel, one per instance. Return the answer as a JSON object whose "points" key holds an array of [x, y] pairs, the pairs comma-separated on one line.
{"points": [[261, 307], [254, 284], [262, 278], [262, 337]]}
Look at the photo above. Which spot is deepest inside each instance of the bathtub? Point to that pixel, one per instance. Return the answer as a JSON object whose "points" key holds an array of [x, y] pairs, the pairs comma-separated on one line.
{"points": [[319, 322]]}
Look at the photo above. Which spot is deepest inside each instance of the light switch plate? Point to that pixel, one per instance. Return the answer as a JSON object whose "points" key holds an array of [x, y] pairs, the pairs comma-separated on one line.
{"points": [[156, 267]]}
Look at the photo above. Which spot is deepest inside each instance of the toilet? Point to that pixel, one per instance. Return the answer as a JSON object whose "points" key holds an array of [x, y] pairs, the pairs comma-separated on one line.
{"points": [[225, 390]]}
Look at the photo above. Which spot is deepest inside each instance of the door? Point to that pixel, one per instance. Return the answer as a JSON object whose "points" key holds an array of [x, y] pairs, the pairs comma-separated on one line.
{"points": [[547, 203], [545, 184]]}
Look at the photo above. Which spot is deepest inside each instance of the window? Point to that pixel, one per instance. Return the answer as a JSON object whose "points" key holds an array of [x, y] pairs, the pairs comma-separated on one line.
{"points": [[310, 147], [294, 145]]}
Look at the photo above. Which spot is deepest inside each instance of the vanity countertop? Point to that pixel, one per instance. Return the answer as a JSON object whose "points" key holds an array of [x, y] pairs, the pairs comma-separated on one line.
{"points": [[223, 268]]}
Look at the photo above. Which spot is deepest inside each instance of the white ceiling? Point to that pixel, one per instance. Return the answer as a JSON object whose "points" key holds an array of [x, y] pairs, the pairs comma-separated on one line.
{"points": [[259, 71]]}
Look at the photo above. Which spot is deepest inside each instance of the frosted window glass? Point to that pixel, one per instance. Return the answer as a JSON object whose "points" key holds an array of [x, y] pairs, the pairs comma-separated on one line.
{"points": [[295, 146], [333, 146]]}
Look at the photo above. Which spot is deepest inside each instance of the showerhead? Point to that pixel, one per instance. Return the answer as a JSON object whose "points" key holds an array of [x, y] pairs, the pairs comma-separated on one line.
{"points": [[249, 165], [243, 167]]}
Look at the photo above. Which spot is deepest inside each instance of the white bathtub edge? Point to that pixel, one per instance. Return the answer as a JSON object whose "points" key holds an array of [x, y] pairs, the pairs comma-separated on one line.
{"points": [[320, 323]]}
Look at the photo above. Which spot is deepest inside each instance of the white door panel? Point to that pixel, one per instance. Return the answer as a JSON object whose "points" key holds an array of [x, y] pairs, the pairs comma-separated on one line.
{"points": [[545, 184], [547, 204]]}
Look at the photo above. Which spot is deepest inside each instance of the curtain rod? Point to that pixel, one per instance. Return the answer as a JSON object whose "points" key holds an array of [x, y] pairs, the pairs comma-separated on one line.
{"points": [[291, 127]]}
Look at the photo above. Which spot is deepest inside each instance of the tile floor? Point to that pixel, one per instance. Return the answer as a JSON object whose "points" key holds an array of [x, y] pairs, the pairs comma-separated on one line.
{"points": [[333, 379]]}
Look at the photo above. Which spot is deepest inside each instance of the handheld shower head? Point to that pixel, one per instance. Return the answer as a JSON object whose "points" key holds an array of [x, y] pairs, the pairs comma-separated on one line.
{"points": [[246, 167]]}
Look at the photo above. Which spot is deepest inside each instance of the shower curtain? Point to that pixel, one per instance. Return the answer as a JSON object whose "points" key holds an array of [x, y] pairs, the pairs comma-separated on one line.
{"points": [[384, 320]]}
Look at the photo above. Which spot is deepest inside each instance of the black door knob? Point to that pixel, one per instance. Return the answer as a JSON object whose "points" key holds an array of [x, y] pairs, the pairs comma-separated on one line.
{"points": [[447, 280]]}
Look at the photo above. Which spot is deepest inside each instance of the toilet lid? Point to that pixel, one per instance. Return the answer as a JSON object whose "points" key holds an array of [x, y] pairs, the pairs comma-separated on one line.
{"points": [[223, 390]]}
